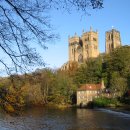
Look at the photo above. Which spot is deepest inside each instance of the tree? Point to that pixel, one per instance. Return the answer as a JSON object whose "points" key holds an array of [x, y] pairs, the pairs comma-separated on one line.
{"points": [[118, 61], [118, 84], [64, 89], [89, 72], [26, 22], [80, 75], [94, 70]]}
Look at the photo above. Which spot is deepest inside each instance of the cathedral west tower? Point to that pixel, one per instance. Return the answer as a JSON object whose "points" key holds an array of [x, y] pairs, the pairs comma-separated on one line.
{"points": [[90, 44], [84, 47]]}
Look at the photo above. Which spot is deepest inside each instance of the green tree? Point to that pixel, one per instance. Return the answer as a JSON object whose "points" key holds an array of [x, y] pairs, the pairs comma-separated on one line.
{"points": [[64, 88], [89, 72], [116, 67], [80, 75], [118, 84], [119, 60]]}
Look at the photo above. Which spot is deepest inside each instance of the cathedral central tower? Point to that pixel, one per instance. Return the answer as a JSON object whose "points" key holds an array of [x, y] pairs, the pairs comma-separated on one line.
{"points": [[113, 40], [84, 47]]}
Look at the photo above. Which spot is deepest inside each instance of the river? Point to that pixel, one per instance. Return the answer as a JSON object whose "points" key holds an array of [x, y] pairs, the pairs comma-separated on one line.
{"points": [[66, 119]]}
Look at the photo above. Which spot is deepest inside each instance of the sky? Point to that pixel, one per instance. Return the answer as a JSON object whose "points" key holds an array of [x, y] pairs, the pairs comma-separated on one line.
{"points": [[116, 14]]}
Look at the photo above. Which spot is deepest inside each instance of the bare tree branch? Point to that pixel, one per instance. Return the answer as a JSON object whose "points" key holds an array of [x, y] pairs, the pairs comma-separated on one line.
{"points": [[25, 22]]}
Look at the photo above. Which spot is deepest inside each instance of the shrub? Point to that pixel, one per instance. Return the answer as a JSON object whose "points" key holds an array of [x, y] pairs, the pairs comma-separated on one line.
{"points": [[105, 102]]}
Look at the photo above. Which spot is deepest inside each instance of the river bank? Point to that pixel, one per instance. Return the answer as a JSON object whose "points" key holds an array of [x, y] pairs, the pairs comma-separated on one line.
{"points": [[114, 107]]}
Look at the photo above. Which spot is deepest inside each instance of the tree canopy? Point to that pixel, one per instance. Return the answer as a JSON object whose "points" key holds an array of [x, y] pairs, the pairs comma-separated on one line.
{"points": [[116, 69]]}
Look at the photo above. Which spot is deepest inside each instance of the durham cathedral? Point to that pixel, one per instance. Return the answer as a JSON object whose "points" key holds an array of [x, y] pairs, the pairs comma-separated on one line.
{"points": [[87, 46]]}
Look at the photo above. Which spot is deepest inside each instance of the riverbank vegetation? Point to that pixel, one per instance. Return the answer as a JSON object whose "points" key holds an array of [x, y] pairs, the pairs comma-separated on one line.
{"points": [[107, 102], [48, 86]]}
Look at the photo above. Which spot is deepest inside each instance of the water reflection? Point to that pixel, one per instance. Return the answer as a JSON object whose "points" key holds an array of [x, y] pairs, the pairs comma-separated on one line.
{"points": [[66, 119]]}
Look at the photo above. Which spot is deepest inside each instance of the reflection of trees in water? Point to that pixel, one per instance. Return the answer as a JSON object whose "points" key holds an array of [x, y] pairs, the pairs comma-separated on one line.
{"points": [[65, 119]]}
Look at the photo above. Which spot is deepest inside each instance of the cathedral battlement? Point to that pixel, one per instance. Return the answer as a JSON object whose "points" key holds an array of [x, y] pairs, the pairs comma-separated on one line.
{"points": [[113, 30], [73, 39]]}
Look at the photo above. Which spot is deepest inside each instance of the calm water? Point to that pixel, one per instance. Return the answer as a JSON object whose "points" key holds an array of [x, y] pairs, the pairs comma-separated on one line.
{"points": [[66, 119]]}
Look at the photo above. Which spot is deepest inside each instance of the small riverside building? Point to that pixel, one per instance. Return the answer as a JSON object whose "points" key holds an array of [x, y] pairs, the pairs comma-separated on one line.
{"points": [[88, 92]]}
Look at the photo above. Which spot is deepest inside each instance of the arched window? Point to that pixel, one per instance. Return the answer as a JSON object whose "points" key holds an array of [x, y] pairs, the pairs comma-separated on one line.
{"points": [[80, 58], [79, 49], [94, 39], [72, 51], [109, 37]]}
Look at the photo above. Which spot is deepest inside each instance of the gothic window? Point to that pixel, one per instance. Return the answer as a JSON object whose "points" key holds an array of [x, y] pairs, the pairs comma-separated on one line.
{"points": [[94, 39], [73, 51], [80, 58], [79, 49], [109, 37], [87, 39], [112, 36]]}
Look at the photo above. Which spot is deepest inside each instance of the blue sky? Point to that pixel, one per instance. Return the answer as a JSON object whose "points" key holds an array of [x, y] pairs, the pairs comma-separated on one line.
{"points": [[115, 13]]}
